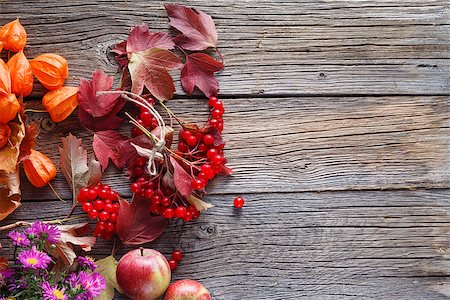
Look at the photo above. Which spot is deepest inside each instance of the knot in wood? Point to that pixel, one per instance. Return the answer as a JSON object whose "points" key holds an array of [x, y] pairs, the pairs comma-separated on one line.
{"points": [[47, 124]]}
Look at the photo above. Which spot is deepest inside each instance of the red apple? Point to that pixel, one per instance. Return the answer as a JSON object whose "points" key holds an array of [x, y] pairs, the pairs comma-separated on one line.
{"points": [[187, 290], [143, 274]]}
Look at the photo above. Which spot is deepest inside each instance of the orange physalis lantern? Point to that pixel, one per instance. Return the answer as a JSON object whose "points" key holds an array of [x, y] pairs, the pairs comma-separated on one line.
{"points": [[61, 103], [9, 106], [5, 79], [5, 133], [50, 69], [39, 169], [13, 36], [21, 74]]}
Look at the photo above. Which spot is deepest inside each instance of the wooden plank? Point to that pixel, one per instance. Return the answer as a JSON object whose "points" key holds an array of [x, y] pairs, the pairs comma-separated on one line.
{"points": [[280, 48], [310, 144], [360, 244]]}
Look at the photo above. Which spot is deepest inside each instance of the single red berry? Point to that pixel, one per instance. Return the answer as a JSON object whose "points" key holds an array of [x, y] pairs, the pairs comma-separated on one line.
{"points": [[188, 217], [220, 126], [103, 193], [147, 118], [110, 227], [202, 176], [213, 123], [151, 185], [140, 161], [238, 202], [135, 131], [107, 187], [96, 188], [172, 264], [116, 208], [108, 208], [113, 196], [142, 109], [83, 195], [148, 193], [218, 169], [98, 232], [208, 139], [211, 153], [183, 147], [104, 216], [180, 212], [166, 202], [113, 217], [156, 198], [99, 205], [138, 171], [218, 104], [86, 206], [168, 213], [217, 159], [186, 134], [191, 140], [141, 180], [198, 184], [195, 213], [101, 225], [93, 214], [202, 148], [135, 187], [107, 201], [177, 255], [216, 113], [208, 170], [92, 195], [212, 100]]}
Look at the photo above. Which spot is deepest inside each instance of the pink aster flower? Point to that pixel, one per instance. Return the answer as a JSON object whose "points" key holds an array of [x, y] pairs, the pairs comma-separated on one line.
{"points": [[19, 239], [52, 292], [34, 259], [44, 231], [91, 283], [87, 262]]}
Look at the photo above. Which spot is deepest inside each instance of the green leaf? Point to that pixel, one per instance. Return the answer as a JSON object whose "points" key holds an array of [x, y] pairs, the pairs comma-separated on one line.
{"points": [[107, 268]]}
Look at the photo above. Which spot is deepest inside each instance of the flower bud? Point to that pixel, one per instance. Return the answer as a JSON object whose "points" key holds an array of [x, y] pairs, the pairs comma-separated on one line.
{"points": [[50, 69], [39, 169], [21, 74], [61, 103]]}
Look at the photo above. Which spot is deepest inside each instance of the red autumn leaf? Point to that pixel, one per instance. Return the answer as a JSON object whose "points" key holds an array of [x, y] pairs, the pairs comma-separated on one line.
{"points": [[126, 152], [149, 69], [141, 38], [181, 178], [198, 71], [29, 140], [122, 56], [97, 105], [108, 122], [105, 145], [135, 226], [199, 31]]}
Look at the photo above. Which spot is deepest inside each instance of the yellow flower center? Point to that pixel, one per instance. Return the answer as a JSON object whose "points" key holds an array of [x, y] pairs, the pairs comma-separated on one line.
{"points": [[58, 294], [32, 261], [19, 239]]}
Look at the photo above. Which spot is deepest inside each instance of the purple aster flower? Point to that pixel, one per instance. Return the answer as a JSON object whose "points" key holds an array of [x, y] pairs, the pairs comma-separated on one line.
{"points": [[44, 231], [34, 259], [19, 239], [87, 262], [52, 292], [5, 276], [91, 283]]}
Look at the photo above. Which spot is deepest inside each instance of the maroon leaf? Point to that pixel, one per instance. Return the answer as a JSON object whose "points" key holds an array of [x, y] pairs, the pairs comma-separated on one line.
{"points": [[126, 152], [103, 123], [198, 71], [29, 140], [105, 145], [181, 178], [149, 69], [97, 105], [141, 38], [199, 31], [218, 141], [135, 226], [122, 56]]}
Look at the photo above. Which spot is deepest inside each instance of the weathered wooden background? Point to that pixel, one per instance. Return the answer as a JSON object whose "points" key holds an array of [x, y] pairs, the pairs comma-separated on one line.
{"points": [[338, 122]]}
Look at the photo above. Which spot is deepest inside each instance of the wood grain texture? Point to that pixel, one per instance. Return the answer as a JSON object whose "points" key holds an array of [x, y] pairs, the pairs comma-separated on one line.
{"points": [[310, 144], [271, 48], [345, 245]]}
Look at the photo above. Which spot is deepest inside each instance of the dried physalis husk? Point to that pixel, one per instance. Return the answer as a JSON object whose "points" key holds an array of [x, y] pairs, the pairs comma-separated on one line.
{"points": [[21, 74], [50, 69], [39, 169], [9, 106], [13, 36], [5, 133], [5, 79], [61, 103]]}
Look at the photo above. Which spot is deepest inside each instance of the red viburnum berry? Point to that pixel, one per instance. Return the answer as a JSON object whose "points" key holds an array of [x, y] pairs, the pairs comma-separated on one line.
{"points": [[239, 202]]}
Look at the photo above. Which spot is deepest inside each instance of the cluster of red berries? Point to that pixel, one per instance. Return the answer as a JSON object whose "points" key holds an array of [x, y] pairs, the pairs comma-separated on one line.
{"points": [[177, 256], [202, 148], [101, 204]]}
